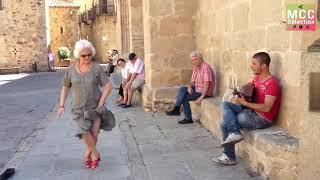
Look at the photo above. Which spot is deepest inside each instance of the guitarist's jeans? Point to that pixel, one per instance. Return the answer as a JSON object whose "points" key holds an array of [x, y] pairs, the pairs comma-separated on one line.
{"points": [[236, 118]]}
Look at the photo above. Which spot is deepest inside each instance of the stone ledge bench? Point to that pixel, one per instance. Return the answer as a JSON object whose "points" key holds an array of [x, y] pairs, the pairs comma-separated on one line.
{"points": [[116, 79], [271, 152], [12, 70]]}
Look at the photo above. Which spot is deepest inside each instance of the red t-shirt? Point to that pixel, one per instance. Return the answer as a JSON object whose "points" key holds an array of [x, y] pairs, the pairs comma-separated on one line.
{"points": [[268, 87]]}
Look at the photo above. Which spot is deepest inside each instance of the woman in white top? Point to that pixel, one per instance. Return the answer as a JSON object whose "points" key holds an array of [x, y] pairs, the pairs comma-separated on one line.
{"points": [[124, 66]]}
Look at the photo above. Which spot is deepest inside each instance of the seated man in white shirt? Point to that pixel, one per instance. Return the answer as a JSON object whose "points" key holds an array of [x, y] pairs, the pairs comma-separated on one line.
{"points": [[135, 79]]}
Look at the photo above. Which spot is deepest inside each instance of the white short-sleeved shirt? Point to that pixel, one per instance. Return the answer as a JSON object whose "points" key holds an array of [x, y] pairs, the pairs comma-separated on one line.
{"points": [[115, 59], [125, 70], [137, 67]]}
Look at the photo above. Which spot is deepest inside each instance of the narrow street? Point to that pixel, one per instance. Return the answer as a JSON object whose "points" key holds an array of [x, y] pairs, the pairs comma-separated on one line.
{"points": [[25, 101]]}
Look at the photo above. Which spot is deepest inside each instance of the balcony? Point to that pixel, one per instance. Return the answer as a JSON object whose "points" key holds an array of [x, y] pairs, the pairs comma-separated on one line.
{"points": [[91, 15], [104, 9], [83, 18]]}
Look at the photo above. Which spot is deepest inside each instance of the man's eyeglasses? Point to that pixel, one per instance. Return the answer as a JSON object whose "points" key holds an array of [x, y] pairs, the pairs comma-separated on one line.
{"points": [[86, 55]]}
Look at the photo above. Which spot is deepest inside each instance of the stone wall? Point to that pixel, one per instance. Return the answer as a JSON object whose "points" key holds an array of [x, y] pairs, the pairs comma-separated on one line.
{"points": [[230, 32], [122, 26], [168, 41], [136, 27], [23, 35], [63, 29], [129, 27], [104, 36]]}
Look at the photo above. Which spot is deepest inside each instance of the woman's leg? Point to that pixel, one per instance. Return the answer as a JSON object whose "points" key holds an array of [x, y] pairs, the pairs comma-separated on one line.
{"points": [[87, 154], [95, 129], [120, 93], [125, 95], [130, 94], [91, 146], [94, 132]]}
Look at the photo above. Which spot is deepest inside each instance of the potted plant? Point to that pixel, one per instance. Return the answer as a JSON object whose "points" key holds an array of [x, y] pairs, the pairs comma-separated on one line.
{"points": [[64, 56]]}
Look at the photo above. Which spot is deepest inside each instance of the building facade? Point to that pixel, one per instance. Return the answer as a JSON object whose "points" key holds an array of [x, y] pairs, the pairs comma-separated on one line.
{"points": [[64, 29], [22, 36]]}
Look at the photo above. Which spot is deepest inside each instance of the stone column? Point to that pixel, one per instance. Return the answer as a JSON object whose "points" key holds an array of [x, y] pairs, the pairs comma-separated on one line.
{"points": [[123, 26], [136, 27], [168, 41], [309, 156]]}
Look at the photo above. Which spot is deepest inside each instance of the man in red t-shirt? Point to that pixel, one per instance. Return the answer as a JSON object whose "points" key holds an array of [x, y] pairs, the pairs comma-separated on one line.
{"points": [[250, 115]]}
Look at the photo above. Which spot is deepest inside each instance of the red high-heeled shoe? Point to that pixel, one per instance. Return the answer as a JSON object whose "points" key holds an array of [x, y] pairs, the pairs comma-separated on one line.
{"points": [[88, 163], [94, 164]]}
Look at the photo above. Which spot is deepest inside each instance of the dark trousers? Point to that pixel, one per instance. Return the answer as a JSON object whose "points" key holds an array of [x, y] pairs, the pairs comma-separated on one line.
{"points": [[184, 97], [121, 90], [110, 69]]}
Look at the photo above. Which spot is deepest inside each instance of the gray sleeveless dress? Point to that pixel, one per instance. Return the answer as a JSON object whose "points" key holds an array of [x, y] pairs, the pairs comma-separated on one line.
{"points": [[85, 93]]}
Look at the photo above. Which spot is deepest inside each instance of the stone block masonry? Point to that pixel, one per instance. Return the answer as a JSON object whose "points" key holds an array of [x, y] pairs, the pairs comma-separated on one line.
{"points": [[23, 35]]}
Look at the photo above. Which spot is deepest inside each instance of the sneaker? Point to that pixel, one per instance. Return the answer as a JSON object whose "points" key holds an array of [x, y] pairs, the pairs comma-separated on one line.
{"points": [[233, 138], [224, 159], [185, 121], [174, 112]]}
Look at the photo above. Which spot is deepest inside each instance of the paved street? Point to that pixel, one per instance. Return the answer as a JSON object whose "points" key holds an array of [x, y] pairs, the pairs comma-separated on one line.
{"points": [[144, 146], [25, 101]]}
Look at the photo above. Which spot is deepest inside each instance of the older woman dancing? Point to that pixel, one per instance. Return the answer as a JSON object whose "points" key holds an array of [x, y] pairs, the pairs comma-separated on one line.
{"points": [[84, 78]]}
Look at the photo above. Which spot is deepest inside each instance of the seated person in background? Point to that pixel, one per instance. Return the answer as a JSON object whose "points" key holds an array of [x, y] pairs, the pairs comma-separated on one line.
{"points": [[257, 115], [135, 79], [124, 66], [201, 86], [112, 62]]}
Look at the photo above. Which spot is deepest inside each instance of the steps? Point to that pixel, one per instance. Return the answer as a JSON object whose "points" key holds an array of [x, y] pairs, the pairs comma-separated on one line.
{"points": [[11, 70]]}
